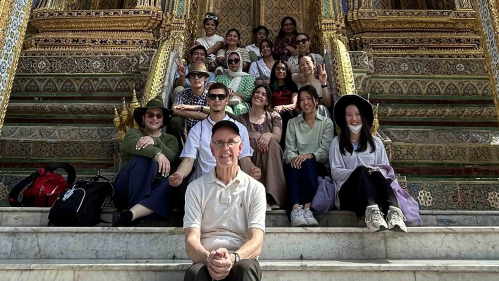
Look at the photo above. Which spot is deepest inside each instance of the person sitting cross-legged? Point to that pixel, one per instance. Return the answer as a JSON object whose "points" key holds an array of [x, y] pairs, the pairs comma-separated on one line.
{"points": [[141, 187], [190, 105], [224, 220], [197, 146]]}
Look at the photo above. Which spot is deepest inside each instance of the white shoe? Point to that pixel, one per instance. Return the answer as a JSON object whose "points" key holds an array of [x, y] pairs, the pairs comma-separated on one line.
{"points": [[309, 217], [269, 208], [374, 219], [297, 218], [395, 219]]}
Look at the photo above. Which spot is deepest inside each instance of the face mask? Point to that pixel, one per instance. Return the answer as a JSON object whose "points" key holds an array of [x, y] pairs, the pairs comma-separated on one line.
{"points": [[355, 129]]}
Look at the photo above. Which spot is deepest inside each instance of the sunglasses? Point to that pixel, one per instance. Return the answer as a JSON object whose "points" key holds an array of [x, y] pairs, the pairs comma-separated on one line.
{"points": [[198, 75], [233, 61], [302, 41], [215, 96], [280, 69], [220, 144], [211, 17], [152, 115]]}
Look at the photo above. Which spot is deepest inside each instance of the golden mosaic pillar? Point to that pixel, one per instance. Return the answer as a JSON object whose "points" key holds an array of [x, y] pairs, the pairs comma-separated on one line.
{"points": [[488, 11], [14, 15], [179, 22]]}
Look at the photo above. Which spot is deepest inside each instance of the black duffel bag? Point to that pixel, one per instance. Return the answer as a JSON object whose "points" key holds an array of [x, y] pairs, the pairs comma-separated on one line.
{"points": [[82, 204]]}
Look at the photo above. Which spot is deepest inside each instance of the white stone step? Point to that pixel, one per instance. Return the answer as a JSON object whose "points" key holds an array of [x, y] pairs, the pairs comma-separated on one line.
{"points": [[33, 216], [281, 243], [173, 270]]}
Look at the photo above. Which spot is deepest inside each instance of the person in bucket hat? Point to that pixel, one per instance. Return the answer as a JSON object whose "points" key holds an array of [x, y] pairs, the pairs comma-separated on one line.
{"points": [[356, 156], [190, 105], [197, 53], [141, 187]]}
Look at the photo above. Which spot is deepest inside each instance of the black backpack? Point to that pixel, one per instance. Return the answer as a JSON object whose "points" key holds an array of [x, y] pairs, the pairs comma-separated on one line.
{"points": [[82, 204]]}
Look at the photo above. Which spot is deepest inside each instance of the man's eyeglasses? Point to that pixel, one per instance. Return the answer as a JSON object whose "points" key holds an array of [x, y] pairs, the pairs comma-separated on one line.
{"points": [[220, 144], [198, 75], [302, 41], [152, 115], [215, 96], [233, 61]]}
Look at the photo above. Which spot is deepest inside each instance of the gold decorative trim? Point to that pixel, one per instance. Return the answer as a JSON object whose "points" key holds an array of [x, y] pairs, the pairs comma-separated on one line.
{"points": [[16, 18], [494, 13]]}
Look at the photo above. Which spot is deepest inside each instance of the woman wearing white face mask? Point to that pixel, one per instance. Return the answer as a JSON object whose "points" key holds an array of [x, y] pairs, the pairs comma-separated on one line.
{"points": [[354, 156]]}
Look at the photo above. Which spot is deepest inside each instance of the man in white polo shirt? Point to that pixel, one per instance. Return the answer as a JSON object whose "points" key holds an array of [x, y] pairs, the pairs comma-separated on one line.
{"points": [[224, 220], [197, 147]]}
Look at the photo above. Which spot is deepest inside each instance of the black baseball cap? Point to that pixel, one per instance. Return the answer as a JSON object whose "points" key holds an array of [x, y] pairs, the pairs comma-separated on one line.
{"points": [[225, 123]]}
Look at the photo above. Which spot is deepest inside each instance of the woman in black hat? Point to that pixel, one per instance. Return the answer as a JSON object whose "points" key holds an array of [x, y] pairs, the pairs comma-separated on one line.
{"points": [[147, 154], [354, 156]]}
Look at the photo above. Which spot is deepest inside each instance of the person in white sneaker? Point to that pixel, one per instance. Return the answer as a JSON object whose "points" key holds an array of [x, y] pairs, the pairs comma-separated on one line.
{"points": [[308, 138], [360, 184]]}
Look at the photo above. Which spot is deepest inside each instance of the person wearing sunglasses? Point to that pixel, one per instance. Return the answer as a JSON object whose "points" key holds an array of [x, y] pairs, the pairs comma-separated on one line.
{"points": [[260, 33], [265, 131], [303, 47], [197, 53], [211, 41], [285, 42], [147, 154], [240, 85], [261, 69], [190, 105], [224, 222], [233, 44], [197, 147]]}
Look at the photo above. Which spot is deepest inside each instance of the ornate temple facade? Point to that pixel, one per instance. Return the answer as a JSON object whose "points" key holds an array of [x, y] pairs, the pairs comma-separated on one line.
{"points": [[69, 68]]}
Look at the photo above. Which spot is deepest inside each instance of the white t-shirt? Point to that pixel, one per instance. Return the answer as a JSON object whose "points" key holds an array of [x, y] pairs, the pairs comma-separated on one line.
{"points": [[343, 165], [225, 213], [210, 41], [197, 146]]}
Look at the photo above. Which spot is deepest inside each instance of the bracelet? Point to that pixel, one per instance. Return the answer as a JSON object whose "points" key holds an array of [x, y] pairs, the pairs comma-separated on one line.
{"points": [[201, 110], [324, 86], [157, 155]]}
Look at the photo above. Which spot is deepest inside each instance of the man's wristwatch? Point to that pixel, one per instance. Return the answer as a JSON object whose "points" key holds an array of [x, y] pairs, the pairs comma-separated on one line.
{"points": [[201, 109], [324, 86], [236, 257], [313, 156]]}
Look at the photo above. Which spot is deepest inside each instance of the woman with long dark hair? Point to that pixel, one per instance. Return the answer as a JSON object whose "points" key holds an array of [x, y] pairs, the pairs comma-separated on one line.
{"points": [[261, 68], [233, 44], [355, 156], [285, 42], [265, 132], [284, 93], [307, 147]]}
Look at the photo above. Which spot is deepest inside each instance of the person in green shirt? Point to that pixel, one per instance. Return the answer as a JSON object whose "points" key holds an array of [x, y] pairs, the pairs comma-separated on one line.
{"points": [[308, 139], [141, 187], [240, 85]]}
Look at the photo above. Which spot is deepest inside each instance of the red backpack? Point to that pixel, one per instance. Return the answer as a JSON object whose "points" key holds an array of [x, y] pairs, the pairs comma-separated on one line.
{"points": [[45, 186]]}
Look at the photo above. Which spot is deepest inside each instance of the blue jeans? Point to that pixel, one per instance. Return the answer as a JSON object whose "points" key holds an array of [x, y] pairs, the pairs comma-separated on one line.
{"points": [[303, 183]]}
